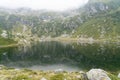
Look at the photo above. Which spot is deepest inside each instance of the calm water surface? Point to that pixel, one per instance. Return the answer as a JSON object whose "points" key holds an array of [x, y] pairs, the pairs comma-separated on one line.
{"points": [[66, 56]]}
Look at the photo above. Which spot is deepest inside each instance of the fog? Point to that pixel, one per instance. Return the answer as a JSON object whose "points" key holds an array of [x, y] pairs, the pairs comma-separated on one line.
{"points": [[56, 5]]}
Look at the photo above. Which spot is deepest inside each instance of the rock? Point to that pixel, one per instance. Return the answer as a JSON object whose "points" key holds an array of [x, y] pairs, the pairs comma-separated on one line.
{"points": [[16, 69], [78, 76], [59, 71], [119, 75], [83, 75], [97, 74], [30, 76], [4, 53], [2, 67], [81, 72], [43, 78]]}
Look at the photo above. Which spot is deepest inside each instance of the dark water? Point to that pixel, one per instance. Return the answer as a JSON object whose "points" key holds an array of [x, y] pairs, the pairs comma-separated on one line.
{"points": [[66, 56]]}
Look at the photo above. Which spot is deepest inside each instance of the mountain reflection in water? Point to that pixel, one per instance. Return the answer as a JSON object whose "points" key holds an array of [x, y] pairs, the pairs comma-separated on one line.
{"points": [[67, 56]]}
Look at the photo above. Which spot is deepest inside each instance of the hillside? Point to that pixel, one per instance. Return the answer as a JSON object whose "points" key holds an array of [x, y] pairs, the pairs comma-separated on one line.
{"points": [[102, 24], [98, 19], [5, 40]]}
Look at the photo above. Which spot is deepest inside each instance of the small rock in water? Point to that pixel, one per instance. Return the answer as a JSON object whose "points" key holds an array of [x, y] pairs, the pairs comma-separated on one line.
{"points": [[97, 74], [4, 53], [119, 75], [43, 78], [17, 69], [1, 67], [59, 70]]}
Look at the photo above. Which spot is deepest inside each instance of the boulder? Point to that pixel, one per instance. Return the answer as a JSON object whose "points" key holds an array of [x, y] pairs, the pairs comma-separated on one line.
{"points": [[97, 74], [2, 67], [119, 75], [43, 78]]}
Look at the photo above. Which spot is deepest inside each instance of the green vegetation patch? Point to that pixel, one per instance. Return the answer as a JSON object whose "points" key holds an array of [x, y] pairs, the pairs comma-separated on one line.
{"points": [[57, 77], [4, 41]]}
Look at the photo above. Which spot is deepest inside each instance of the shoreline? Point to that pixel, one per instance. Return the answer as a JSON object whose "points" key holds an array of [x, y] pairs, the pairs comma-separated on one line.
{"points": [[7, 46], [81, 40], [26, 74], [59, 39]]}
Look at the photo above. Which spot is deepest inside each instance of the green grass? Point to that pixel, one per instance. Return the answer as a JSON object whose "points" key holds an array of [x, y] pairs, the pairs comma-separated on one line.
{"points": [[4, 41], [21, 77], [113, 77], [24, 74], [57, 77]]}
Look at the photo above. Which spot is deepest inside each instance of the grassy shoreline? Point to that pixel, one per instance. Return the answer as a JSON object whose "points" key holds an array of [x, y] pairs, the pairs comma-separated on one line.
{"points": [[10, 45], [4, 43], [26, 74], [81, 40], [62, 39]]}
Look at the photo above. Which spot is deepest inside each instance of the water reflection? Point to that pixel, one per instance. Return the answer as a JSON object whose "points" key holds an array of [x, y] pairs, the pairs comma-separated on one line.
{"points": [[73, 56]]}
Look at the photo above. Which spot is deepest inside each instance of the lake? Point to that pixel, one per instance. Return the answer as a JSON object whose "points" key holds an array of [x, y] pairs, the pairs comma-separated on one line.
{"points": [[69, 56]]}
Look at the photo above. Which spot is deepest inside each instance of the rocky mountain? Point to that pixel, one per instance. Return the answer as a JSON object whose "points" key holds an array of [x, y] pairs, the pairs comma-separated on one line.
{"points": [[98, 19]]}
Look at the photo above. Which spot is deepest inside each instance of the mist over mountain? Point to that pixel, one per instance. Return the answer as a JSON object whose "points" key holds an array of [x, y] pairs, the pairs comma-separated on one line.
{"points": [[98, 19]]}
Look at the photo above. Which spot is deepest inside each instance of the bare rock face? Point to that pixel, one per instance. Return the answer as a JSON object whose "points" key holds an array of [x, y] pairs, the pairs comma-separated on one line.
{"points": [[97, 74]]}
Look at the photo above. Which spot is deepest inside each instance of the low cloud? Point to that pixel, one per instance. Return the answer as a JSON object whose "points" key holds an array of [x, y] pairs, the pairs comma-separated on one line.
{"points": [[58, 5]]}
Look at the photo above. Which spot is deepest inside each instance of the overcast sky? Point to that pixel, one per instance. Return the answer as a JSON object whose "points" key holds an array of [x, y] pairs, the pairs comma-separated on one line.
{"points": [[43, 4]]}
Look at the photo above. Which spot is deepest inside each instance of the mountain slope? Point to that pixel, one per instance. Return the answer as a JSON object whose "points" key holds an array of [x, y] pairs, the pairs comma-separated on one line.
{"points": [[98, 19], [103, 24]]}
